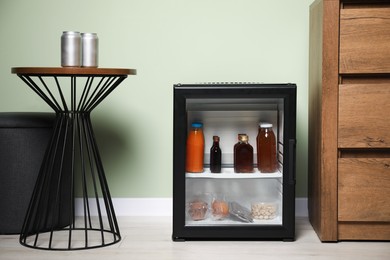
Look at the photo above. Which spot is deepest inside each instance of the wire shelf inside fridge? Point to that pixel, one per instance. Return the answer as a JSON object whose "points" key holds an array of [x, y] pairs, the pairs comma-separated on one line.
{"points": [[232, 222], [228, 173]]}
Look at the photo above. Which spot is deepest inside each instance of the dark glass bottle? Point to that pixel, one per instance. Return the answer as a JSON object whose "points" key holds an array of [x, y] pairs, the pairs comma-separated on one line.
{"points": [[215, 156], [234, 152], [243, 155]]}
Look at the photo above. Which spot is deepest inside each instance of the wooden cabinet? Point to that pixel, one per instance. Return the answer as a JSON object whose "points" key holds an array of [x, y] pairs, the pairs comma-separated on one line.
{"points": [[349, 119]]}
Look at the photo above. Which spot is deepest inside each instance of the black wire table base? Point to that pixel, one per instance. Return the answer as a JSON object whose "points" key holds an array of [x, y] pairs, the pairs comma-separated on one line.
{"points": [[72, 168]]}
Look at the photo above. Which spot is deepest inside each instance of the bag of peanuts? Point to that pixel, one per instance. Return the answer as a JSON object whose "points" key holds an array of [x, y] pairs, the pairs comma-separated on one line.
{"points": [[263, 211]]}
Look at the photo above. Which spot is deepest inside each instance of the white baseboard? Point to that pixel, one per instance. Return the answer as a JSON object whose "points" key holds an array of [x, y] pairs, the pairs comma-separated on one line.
{"points": [[162, 207]]}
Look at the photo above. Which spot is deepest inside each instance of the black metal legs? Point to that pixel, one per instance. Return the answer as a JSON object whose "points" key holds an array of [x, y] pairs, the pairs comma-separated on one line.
{"points": [[72, 168]]}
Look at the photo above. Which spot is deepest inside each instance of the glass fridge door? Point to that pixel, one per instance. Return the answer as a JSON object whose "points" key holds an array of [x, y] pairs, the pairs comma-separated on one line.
{"points": [[219, 204]]}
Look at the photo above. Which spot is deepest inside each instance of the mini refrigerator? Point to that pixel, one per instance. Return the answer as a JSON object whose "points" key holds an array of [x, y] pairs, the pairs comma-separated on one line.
{"points": [[259, 206]]}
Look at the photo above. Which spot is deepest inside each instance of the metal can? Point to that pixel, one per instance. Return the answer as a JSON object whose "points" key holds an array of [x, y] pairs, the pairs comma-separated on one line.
{"points": [[90, 49], [70, 49]]}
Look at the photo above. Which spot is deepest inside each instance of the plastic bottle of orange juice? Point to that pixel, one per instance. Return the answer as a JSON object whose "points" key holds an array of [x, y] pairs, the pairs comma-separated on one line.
{"points": [[195, 148]]}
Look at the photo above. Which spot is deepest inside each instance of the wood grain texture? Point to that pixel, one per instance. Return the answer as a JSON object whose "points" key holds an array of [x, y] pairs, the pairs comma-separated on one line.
{"points": [[348, 111], [363, 113], [363, 189], [323, 81], [364, 40], [149, 238], [65, 71], [364, 231], [315, 102]]}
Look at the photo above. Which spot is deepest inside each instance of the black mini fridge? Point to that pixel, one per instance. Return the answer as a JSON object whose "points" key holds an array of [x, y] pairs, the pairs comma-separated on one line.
{"points": [[257, 206]]}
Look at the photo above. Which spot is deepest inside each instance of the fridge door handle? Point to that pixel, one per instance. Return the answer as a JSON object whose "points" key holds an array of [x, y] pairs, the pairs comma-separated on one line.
{"points": [[291, 161]]}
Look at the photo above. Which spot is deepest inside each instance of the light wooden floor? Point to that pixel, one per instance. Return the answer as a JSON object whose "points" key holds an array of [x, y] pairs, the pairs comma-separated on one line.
{"points": [[150, 238]]}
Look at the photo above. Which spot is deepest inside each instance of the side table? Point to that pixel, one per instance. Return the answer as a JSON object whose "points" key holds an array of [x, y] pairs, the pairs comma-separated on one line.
{"points": [[72, 92]]}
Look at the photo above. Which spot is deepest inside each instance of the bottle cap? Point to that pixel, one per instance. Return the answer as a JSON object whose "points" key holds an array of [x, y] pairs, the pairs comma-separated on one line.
{"points": [[216, 138], [243, 137], [239, 136], [197, 125], [265, 125]]}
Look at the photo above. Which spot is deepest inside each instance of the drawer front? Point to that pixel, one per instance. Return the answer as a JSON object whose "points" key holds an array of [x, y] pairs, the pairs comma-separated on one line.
{"points": [[364, 40], [364, 230], [363, 189], [364, 116]]}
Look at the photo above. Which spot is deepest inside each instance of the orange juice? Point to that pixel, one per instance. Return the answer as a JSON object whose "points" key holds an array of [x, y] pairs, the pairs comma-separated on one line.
{"points": [[195, 148]]}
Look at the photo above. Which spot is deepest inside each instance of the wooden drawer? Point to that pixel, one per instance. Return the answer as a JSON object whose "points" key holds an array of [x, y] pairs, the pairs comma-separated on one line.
{"points": [[364, 116], [364, 40], [364, 230], [363, 189]]}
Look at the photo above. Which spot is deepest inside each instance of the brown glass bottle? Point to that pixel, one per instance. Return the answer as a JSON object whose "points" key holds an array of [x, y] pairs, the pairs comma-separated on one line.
{"points": [[243, 155], [215, 156], [266, 149], [234, 152]]}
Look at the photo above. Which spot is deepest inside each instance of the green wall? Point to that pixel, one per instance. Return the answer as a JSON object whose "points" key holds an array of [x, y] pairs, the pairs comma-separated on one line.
{"points": [[168, 42]]}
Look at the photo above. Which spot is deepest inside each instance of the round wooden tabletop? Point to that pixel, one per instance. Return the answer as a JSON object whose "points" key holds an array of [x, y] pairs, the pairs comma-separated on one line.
{"points": [[72, 71]]}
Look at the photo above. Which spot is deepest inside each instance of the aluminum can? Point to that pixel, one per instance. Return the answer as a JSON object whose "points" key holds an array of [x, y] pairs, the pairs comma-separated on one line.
{"points": [[90, 50], [70, 49]]}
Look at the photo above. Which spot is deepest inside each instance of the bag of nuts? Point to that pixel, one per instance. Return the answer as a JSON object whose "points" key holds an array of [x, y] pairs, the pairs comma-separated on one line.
{"points": [[263, 211]]}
